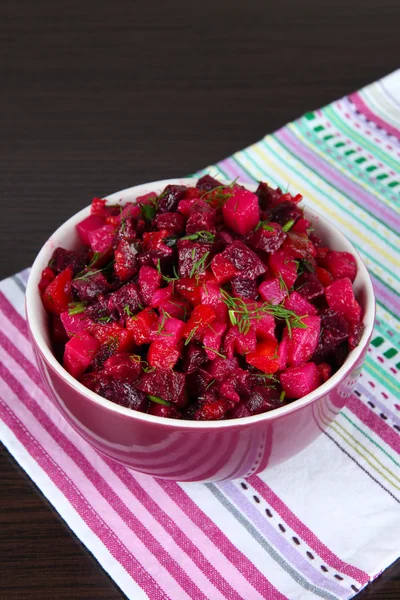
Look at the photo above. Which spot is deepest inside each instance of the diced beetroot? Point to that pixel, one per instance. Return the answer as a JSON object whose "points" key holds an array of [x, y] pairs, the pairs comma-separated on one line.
{"points": [[213, 411], [269, 237], [85, 227], [244, 261], [340, 265], [300, 381], [98, 311], [264, 327], [262, 399], [146, 198], [239, 342], [189, 289], [212, 339], [175, 306], [324, 276], [340, 298], [101, 240], [303, 342], [309, 286], [244, 287], [268, 196], [161, 410], [153, 243], [125, 301], [160, 296], [46, 278], [357, 329], [62, 259], [200, 318], [166, 384], [200, 221], [101, 209], [193, 257], [194, 356], [122, 366], [284, 212], [302, 225], [170, 197], [220, 368], [299, 305], [210, 295], [185, 206], [325, 371], [207, 183], [192, 192], [149, 282], [172, 222], [57, 330], [265, 357], [298, 245], [100, 357], [227, 390], [123, 393], [125, 260], [74, 324], [58, 293], [79, 352], [113, 335], [143, 326], [272, 291], [334, 330], [322, 251], [223, 269], [283, 353], [282, 264], [90, 285], [241, 211], [162, 355], [170, 330]]}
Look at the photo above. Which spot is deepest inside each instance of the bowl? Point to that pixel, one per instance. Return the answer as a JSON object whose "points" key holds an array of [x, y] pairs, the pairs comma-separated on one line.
{"points": [[193, 450]]}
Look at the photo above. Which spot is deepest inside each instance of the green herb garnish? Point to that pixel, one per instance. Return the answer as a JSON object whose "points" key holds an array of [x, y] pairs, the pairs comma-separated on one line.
{"points": [[244, 313], [191, 334], [128, 311], [159, 400], [264, 225], [166, 277], [288, 225], [209, 384], [75, 308], [200, 265], [202, 236], [148, 211], [215, 352]]}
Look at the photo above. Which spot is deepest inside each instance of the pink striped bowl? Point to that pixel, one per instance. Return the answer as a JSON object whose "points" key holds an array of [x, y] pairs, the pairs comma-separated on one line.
{"points": [[189, 450]]}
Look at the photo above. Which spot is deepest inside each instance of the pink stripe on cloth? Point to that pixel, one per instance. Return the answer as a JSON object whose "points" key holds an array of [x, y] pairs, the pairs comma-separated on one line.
{"points": [[367, 111], [102, 487], [81, 505], [243, 564], [306, 534], [373, 422], [183, 541]]}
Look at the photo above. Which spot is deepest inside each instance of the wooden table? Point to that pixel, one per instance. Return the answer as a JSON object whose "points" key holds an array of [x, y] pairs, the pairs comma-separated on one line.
{"points": [[99, 96]]}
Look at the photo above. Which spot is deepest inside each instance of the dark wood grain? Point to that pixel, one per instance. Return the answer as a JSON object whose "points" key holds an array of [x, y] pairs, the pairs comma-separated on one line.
{"points": [[98, 96]]}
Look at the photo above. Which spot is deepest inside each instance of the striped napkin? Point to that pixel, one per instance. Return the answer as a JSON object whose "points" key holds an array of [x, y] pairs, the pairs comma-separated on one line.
{"points": [[323, 524]]}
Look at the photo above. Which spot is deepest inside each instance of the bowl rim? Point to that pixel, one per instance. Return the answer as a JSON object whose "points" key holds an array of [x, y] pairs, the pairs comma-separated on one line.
{"points": [[33, 301]]}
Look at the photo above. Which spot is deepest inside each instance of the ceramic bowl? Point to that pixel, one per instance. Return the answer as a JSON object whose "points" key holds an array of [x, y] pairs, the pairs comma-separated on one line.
{"points": [[193, 450]]}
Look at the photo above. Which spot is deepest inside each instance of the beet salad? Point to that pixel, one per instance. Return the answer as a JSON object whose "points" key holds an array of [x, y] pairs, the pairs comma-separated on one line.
{"points": [[204, 303]]}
